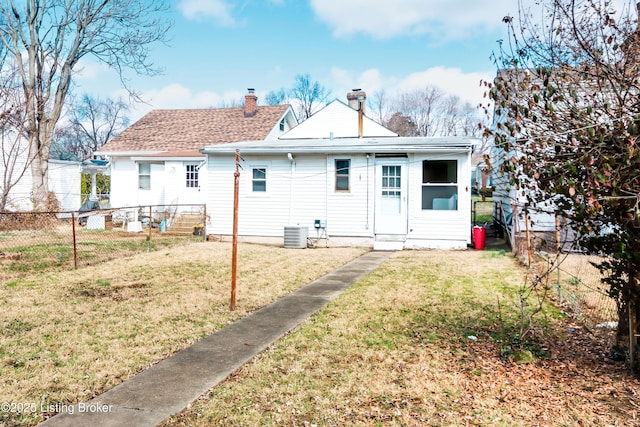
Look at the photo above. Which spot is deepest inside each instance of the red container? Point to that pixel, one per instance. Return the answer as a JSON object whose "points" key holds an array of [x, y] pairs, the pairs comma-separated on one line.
{"points": [[479, 237]]}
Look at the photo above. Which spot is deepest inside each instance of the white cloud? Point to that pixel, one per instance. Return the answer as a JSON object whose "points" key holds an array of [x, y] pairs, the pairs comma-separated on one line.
{"points": [[88, 71], [177, 96], [386, 19], [368, 80], [467, 86], [219, 10]]}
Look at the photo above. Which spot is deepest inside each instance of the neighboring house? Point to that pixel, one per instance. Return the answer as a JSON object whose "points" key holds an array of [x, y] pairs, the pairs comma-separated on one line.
{"points": [[64, 177], [157, 160], [480, 176], [514, 214], [64, 181], [339, 175]]}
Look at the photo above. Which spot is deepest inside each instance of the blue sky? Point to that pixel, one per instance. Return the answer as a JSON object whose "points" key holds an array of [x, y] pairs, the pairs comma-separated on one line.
{"points": [[219, 48]]}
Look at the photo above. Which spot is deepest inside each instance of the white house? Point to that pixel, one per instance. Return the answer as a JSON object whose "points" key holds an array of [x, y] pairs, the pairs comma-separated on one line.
{"points": [[345, 178], [64, 181], [15, 173], [156, 161], [514, 213]]}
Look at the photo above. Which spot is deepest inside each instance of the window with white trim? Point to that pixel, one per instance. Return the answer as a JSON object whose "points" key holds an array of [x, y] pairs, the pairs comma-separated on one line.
{"points": [[192, 176], [259, 180], [440, 185], [343, 170], [144, 176]]}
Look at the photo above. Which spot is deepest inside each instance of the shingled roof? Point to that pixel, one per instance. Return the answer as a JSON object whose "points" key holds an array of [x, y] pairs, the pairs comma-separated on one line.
{"points": [[191, 129]]}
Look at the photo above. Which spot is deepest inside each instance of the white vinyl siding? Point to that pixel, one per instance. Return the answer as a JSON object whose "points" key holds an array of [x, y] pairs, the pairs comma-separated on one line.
{"points": [[64, 180], [351, 213], [304, 191], [310, 183], [439, 225]]}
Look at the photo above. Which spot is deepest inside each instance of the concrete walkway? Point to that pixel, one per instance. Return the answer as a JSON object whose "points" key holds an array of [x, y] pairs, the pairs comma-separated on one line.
{"points": [[168, 387]]}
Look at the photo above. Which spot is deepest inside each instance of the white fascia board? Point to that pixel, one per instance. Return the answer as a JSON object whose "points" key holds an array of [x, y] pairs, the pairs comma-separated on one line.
{"points": [[351, 145], [127, 153], [168, 158]]}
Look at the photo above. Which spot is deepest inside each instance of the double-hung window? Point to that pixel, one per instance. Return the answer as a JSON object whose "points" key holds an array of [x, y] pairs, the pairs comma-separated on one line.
{"points": [[259, 180], [343, 170], [144, 176], [440, 185]]}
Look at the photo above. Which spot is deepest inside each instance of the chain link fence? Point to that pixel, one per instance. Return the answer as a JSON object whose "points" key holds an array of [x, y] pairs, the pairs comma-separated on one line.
{"points": [[56, 241], [579, 288]]}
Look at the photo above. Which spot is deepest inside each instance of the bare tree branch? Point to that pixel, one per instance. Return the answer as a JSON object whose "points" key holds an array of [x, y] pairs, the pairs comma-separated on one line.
{"points": [[47, 39]]}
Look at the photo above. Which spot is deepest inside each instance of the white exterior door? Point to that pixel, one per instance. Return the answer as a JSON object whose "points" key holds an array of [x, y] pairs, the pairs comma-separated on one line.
{"points": [[191, 184], [391, 196]]}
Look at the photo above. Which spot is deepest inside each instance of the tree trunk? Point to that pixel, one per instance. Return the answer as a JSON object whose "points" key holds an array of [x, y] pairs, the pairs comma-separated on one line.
{"points": [[40, 174], [622, 333], [627, 332]]}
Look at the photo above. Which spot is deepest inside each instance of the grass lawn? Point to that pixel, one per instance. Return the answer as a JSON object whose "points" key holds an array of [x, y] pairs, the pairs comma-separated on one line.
{"points": [[67, 336], [484, 210], [419, 342]]}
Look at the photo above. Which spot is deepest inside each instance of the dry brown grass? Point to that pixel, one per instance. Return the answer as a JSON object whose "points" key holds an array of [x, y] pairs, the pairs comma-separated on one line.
{"points": [[68, 336], [395, 350]]}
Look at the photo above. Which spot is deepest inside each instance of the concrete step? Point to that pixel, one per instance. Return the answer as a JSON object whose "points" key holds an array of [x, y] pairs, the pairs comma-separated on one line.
{"points": [[389, 242]]}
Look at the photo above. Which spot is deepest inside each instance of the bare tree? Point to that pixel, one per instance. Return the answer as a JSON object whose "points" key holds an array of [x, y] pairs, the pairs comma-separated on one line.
{"points": [[92, 123], [380, 106], [432, 112], [47, 39], [15, 158], [451, 115], [309, 95], [423, 107], [568, 122], [276, 97]]}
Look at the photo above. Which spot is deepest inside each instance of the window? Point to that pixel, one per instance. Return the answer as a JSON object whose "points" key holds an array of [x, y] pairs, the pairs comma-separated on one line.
{"points": [[391, 182], [192, 176], [440, 185], [144, 176], [259, 180], [282, 125], [342, 174]]}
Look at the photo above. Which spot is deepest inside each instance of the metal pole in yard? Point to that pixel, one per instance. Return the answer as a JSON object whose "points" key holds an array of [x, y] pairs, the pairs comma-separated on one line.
{"points": [[234, 249], [150, 224], [528, 234], [75, 246], [633, 337], [204, 223], [558, 249]]}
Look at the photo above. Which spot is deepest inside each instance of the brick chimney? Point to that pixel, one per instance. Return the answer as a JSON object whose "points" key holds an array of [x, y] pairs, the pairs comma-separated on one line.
{"points": [[357, 99], [250, 103]]}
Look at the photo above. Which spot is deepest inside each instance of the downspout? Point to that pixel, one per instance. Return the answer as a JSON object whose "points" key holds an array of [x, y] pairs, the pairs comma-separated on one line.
{"points": [[326, 196], [291, 177], [366, 226]]}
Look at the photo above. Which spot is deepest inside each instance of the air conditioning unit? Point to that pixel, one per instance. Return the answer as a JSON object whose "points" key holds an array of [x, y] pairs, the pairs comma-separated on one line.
{"points": [[295, 237]]}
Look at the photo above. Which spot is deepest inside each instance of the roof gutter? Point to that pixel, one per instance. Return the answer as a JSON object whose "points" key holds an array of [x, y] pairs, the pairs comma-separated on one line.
{"points": [[337, 150]]}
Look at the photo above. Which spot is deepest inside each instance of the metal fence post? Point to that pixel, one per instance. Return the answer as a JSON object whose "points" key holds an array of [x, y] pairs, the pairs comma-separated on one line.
{"points": [[204, 223], [75, 246]]}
